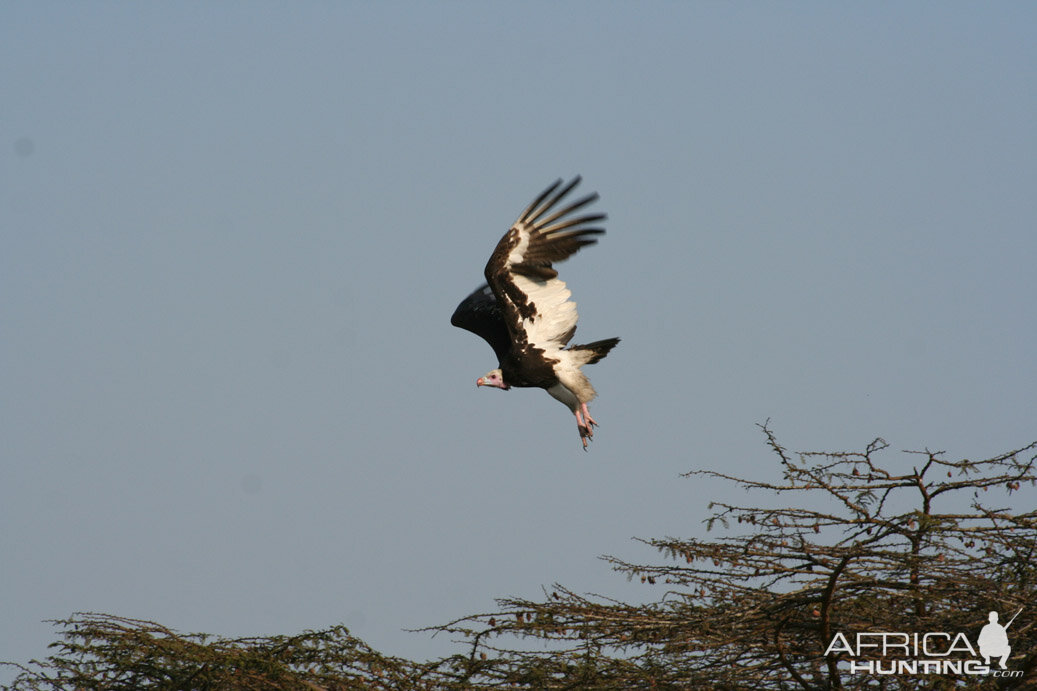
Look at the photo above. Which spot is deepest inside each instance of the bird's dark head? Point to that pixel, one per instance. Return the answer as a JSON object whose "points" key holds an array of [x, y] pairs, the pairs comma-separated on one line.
{"points": [[494, 378]]}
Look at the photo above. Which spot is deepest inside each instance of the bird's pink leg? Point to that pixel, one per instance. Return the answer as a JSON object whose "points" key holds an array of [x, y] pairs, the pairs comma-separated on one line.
{"points": [[585, 430], [591, 422]]}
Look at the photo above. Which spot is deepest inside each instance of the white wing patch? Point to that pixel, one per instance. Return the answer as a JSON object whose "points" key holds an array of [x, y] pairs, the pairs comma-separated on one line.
{"points": [[556, 313], [524, 232]]}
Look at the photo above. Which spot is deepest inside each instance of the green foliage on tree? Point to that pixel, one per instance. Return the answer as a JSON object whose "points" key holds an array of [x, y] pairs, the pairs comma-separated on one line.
{"points": [[105, 652], [834, 543]]}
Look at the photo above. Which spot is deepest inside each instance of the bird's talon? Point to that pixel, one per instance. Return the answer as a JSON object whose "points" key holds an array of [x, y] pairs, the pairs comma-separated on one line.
{"points": [[591, 422]]}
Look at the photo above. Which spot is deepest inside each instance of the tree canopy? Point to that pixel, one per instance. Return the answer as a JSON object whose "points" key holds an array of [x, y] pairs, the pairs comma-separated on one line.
{"points": [[906, 553]]}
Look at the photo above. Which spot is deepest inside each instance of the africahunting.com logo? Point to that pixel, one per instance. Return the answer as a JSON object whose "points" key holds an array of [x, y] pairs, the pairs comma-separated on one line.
{"points": [[934, 652]]}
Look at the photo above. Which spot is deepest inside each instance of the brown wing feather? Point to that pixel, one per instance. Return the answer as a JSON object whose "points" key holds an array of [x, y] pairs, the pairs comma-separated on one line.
{"points": [[552, 236]]}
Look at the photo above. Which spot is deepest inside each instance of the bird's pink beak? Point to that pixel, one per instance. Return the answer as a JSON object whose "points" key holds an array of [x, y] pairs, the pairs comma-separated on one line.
{"points": [[481, 381]]}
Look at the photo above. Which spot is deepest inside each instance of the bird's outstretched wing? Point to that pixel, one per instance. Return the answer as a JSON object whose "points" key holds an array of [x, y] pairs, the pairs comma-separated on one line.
{"points": [[481, 314], [534, 302]]}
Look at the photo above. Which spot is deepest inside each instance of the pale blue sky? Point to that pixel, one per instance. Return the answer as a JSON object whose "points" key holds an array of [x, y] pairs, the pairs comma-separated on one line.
{"points": [[232, 236]]}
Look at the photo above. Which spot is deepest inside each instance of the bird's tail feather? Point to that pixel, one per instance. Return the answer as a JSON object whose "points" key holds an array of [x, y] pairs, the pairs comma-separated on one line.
{"points": [[592, 352]]}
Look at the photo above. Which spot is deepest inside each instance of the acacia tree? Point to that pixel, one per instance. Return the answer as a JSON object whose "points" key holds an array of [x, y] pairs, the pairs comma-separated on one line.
{"points": [[853, 542], [105, 652]]}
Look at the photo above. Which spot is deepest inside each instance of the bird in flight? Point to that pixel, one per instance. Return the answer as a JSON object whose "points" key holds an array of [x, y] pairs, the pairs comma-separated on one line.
{"points": [[524, 312]]}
